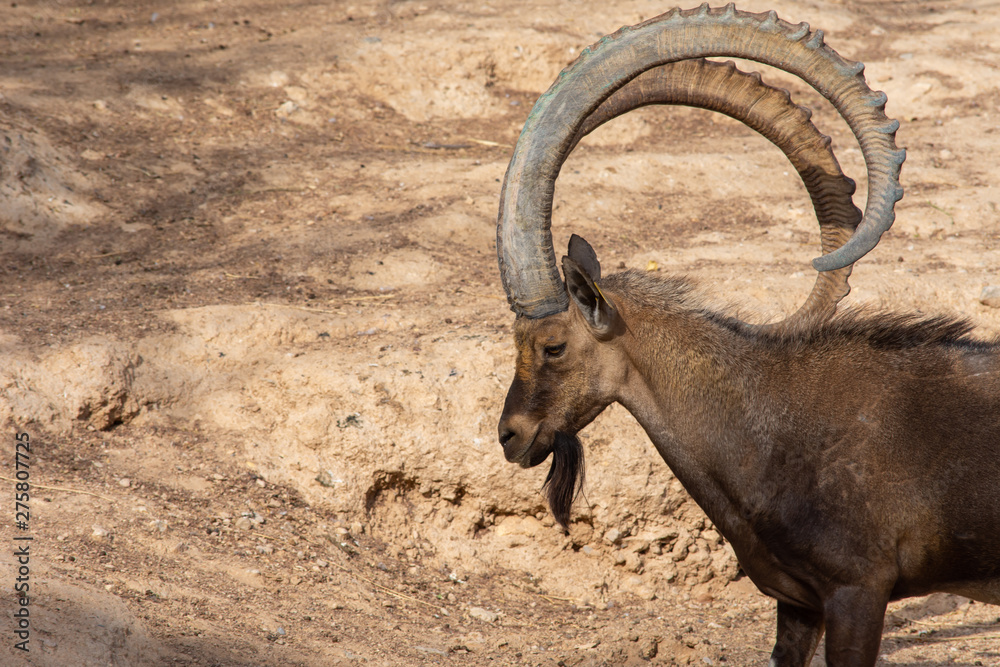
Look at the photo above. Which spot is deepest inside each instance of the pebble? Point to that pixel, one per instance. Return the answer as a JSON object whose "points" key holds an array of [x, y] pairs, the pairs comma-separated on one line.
{"points": [[286, 108], [990, 296], [125, 482], [484, 615], [99, 535], [277, 79]]}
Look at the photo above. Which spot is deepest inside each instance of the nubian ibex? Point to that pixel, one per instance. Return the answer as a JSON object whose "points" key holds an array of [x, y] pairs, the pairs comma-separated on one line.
{"points": [[849, 459]]}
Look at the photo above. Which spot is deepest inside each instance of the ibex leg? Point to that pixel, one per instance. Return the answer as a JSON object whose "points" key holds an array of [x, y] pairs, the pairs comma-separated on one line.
{"points": [[798, 635], [854, 618]]}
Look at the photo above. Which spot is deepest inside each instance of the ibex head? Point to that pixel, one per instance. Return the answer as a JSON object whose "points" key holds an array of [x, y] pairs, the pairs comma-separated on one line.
{"points": [[566, 374], [565, 331]]}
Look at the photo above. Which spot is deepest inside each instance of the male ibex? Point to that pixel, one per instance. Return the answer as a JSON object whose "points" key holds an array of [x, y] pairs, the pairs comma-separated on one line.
{"points": [[850, 460]]}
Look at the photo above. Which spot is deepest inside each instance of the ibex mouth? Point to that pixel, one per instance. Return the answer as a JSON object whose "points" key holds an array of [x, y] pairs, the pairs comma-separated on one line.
{"points": [[529, 456], [534, 457]]}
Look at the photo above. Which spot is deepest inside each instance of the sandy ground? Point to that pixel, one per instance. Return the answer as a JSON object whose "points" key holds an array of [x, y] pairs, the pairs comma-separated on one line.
{"points": [[250, 319]]}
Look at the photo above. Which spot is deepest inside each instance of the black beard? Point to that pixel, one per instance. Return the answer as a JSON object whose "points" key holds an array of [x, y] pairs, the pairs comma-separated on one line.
{"points": [[565, 478]]}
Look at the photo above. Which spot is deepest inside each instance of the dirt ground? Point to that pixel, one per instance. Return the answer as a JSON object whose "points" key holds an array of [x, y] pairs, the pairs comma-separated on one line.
{"points": [[251, 320]]}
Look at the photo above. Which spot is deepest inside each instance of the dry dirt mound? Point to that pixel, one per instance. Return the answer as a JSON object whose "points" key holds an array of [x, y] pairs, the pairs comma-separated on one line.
{"points": [[43, 189]]}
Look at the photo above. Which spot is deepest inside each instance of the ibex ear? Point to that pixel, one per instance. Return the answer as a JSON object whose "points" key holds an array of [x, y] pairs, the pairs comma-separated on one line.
{"points": [[583, 254], [583, 290]]}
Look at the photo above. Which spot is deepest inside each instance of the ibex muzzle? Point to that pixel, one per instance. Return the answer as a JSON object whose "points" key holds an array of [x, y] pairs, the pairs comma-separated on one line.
{"points": [[850, 460]]}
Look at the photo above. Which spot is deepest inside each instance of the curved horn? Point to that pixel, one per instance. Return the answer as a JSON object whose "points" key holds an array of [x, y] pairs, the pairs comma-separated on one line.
{"points": [[770, 111], [524, 241]]}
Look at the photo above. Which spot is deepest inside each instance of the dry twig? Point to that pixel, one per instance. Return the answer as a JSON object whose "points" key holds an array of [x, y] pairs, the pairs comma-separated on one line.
{"points": [[61, 488], [386, 590]]}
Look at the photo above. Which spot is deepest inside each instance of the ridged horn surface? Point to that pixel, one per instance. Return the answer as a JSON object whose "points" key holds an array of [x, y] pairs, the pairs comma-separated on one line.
{"points": [[770, 111], [524, 241]]}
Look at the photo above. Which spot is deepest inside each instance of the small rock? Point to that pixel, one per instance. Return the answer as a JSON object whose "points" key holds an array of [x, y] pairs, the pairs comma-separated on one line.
{"points": [[704, 597], [158, 525], [244, 523], [277, 79], [613, 536], [990, 296], [634, 562], [125, 482], [265, 549], [99, 534], [484, 615], [649, 650], [286, 108]]}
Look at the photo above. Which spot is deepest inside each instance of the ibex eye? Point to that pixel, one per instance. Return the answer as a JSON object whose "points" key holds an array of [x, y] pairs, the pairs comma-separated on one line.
{"points": [[555, 350]]}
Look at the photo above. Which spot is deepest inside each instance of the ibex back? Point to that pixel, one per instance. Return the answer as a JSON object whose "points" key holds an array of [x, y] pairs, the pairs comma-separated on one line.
{"points": [[849, 459]]}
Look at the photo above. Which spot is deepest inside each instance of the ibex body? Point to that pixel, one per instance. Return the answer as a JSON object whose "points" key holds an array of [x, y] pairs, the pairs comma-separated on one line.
{"points": [[848, 464], [850, 460]]}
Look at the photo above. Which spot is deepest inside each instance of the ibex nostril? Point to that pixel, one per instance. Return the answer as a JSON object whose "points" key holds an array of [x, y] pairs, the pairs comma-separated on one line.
{"points": [[505, 436]]}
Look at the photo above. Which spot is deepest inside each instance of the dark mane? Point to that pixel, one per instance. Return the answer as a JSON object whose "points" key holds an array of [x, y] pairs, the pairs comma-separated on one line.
{"points": [[879, 329], [896, 331]]}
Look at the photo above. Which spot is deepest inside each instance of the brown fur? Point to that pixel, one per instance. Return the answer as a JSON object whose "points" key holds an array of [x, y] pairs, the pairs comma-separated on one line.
{"points": [[849, 462]]}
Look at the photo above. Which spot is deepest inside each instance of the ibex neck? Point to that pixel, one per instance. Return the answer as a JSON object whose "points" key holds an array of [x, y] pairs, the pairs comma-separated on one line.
{"points": [[693, 387]]}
